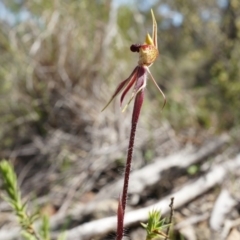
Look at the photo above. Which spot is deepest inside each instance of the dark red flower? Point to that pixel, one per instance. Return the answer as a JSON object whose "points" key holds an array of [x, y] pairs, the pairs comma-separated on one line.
{"points": [[148, 53]]}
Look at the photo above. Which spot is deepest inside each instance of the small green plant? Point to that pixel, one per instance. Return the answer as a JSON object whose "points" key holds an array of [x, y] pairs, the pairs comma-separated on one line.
{"points": [[156, 224], [13, 197]]}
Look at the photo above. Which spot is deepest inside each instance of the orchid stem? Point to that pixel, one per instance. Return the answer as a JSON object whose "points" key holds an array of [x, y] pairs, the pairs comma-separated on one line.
{"points": [[135, 116], [128, 164], [148, 53]]}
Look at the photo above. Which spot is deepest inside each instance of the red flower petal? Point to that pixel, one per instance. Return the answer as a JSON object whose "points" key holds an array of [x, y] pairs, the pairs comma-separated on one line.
{"points": [[119, 88], [130, 84]]}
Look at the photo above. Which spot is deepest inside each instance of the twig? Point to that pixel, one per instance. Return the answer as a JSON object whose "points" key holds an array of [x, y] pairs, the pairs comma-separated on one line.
{"points": [[171, 216]]}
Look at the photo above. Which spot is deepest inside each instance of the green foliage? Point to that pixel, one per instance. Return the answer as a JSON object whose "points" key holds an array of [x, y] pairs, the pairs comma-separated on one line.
{"points": [[155, 225], [45, 228], [14, 199]]}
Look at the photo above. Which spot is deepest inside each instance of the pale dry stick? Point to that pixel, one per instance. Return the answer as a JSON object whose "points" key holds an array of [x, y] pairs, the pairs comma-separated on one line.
{"points": [[192, 220], [228, 225]]}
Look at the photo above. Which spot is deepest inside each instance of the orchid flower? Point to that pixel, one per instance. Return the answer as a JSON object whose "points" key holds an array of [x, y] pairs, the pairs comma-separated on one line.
{"points": [[148, 52]]}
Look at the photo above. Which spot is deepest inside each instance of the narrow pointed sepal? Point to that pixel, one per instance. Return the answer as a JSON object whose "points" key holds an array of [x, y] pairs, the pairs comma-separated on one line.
{"points": [[129, 85], [154, 30], [117, 91], [159, 89], [119, 88]]}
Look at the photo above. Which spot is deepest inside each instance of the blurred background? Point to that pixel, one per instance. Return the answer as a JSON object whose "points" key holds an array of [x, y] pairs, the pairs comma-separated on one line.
{"points": [[60, 62]]}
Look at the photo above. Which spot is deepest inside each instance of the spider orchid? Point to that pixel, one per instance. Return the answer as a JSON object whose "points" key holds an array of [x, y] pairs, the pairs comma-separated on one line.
{"points": [[148, 52]]}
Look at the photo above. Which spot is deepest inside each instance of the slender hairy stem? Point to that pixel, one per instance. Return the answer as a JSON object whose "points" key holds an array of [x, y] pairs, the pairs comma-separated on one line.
{"points": [[123, 201], [135, 116], [120, 219], [128, 164]]}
